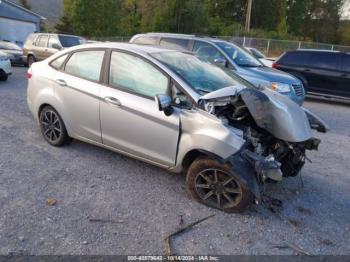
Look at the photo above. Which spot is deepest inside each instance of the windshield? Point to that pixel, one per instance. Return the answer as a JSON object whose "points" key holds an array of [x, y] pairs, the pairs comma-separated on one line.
{"points": [[203, 77], [68, 41], [257, 53], [9, 46], [239, 56]]}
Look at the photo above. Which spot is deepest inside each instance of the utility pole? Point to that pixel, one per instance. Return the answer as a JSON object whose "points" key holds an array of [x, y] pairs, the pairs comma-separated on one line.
{"points": [[249, 13]]}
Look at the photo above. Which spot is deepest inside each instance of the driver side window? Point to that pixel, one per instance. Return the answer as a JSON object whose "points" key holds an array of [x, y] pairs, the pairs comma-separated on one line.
{"points": [[206, 52], [133, 74]]}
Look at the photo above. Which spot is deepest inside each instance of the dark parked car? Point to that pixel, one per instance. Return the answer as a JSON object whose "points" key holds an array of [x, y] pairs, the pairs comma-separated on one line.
{"points": [[13, 51], [38, 47], [323, 73]]}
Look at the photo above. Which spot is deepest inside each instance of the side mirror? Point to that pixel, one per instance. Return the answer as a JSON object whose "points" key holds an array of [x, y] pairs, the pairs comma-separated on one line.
{"points": [[56, 46], [164, 104], [220, 62]]}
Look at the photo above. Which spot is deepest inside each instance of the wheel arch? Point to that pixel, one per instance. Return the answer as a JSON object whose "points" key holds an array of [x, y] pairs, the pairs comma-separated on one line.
{"points": [[194, 154], [41, 108]]}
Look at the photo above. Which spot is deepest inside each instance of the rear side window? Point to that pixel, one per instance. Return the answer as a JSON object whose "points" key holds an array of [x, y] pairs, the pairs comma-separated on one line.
{"points": [[30, 39], [345, 63], [58, 62], [135, 75], [174, 43], [85, 64], [42, 41], [324, 60], [295, 58], [145, 40]]}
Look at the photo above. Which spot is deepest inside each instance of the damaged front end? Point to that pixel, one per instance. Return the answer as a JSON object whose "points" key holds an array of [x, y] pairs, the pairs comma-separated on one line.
{"points": [[276, 130]]}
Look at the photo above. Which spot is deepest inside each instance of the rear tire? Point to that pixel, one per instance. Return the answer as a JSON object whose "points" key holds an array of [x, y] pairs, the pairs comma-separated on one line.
{"points": [[216, 185], [31, 59], [52, 127]]}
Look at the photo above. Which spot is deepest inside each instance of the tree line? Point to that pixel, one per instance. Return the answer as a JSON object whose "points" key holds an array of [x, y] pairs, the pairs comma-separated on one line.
{"points": [[314, 20]]}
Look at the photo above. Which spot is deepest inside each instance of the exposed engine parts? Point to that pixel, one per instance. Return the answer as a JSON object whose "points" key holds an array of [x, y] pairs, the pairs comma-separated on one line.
{"points": [[271, 157]]}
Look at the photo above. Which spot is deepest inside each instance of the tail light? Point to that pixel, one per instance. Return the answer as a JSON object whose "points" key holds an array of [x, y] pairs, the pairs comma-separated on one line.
{"points": [[29, 73], [274, 65]]}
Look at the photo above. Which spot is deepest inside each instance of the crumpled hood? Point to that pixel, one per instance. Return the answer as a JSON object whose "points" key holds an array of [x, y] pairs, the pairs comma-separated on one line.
{"points": [[271, 111]]}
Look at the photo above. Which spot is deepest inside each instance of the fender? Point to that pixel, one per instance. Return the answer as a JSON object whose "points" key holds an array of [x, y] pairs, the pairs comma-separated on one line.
{"points": [[204, 132], [316, 122]]}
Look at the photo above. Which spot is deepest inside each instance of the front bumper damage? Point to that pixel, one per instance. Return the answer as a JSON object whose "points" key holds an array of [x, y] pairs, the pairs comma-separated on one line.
{"points": [[254, 169]]}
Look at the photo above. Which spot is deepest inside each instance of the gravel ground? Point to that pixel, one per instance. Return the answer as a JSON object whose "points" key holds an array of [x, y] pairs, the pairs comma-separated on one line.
{"points": [[90, 182]]}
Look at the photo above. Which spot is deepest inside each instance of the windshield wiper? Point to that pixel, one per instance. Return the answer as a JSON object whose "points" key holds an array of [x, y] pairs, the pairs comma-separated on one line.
{"points": [[249, 65], [202, 90]]}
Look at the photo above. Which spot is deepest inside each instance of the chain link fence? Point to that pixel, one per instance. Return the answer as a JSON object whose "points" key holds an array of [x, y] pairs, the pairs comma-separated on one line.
{"points": [[274, 48], [270, 47]]}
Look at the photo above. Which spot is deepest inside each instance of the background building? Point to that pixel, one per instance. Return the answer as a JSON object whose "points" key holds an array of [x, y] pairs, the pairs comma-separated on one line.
{"points": [[16, 22]]}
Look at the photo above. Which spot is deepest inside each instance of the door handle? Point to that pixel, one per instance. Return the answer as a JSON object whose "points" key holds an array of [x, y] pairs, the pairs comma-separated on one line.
{"points": [[344, 75], [307, 70], [61, 82], [112, 100]]}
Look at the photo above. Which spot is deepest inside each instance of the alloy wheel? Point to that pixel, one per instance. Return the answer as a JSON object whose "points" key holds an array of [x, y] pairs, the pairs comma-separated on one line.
{"points": [[217, 188], [51, 126]]}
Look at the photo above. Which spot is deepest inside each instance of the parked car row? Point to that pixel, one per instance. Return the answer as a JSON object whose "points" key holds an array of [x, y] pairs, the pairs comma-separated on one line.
{"points": [[230, 56], [38, 47]]}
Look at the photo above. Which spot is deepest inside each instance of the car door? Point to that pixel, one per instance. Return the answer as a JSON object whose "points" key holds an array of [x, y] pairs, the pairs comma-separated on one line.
{"points": [[130, 119], [40, 48], [322, 73], [53, 45], [343, 87], [78, 87]]}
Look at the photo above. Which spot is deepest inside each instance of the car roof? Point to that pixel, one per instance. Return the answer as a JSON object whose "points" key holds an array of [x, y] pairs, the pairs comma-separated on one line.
{"points": [[181, 36], [315, 50], [145, 49]]}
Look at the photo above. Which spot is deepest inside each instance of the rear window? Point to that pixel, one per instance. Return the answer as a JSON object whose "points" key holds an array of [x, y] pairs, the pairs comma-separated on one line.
{"points": [[145, 40], [345, 62], [58, 62], [79, 64], [42, 41], [30, 39], [68, 41], [295, 58], [174, 43], [324, 60]]}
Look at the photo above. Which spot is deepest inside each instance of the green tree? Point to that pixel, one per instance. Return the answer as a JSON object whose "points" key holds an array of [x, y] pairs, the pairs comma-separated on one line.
{"points": [[65, 25], [95, 18]]}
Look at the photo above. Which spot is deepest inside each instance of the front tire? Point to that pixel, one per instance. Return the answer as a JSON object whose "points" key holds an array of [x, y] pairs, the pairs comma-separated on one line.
{"points": [[3, 78], [216, 185], [52, 127]]}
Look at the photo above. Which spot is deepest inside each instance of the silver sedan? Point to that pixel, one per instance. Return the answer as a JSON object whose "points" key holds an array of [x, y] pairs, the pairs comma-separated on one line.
{"points": [[173, 110]]}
